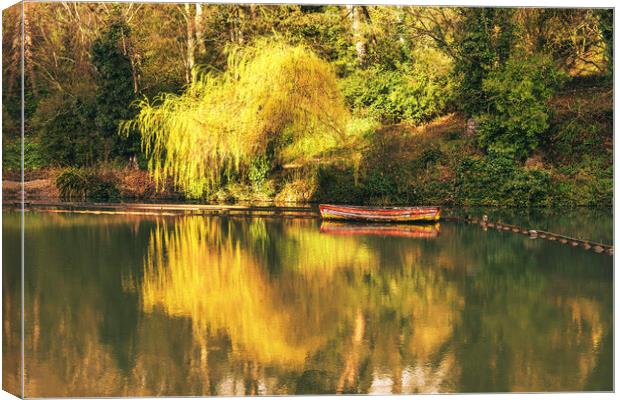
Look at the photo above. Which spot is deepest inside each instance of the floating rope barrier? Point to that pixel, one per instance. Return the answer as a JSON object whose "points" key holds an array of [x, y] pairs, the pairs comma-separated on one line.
{"points": [[539, 234]]}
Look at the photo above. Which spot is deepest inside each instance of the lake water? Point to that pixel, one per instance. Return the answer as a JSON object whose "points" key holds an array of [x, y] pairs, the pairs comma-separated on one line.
{"points": [[190, 305]]}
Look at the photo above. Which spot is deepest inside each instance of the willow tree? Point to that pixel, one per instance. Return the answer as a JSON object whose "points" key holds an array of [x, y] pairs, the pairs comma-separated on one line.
{"points": [[274, 100]]}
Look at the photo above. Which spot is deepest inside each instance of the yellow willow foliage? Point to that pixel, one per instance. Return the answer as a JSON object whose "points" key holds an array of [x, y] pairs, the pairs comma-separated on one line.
{"points": [[288, 90], [272, 94], [186, 137]]}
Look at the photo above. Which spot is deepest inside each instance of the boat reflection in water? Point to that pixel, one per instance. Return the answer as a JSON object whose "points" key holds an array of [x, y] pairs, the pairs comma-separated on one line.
{"points": [[426, 231]]}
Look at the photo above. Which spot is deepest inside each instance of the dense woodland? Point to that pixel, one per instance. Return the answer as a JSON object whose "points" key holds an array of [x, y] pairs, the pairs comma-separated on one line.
{"points": [[357, 104]]}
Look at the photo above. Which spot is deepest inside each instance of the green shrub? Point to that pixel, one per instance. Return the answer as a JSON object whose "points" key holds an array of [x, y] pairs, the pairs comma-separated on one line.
{"points": [[590, 192], [429, 156], [259, 171], [338, 185], [588, 183], [11, 155], [115, 87], [517, 112], [483, 42], [431, 191], [498, 180], [381, 185], [76, 184], [404, 94], [384, 169], [72, 184], [11, 117], [299, 186], [570, 140]]}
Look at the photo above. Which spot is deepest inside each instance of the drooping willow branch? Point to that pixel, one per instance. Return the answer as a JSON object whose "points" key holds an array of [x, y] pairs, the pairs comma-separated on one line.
{"points": [[271, 96]]}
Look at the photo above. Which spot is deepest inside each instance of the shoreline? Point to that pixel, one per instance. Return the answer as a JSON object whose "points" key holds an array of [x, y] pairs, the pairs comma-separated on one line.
{"points": [[164, 209], [285, 212], [189, 205]]}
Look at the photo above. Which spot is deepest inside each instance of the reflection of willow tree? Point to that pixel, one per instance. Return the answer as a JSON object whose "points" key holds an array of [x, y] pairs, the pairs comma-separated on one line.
{"points": [[369, 314], [209, 278], [200, 269], [326, 295]]}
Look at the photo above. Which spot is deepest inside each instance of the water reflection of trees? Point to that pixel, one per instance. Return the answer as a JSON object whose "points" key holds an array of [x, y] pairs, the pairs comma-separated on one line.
{"points": [[379, 308], [595, 224], [11, 307], [529, 320], [328, 295], [223, 306]]}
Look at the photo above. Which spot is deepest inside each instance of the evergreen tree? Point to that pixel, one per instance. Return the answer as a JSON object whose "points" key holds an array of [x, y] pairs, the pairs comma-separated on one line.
{"points": [[606, 28], [115, 88], [484, 45]]}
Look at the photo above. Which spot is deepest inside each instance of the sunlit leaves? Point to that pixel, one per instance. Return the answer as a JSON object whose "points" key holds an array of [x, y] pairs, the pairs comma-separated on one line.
{"points": [[271, 98]]}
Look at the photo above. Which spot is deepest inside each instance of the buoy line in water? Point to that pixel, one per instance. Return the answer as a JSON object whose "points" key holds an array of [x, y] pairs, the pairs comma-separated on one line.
{"points": [[539, 234]]}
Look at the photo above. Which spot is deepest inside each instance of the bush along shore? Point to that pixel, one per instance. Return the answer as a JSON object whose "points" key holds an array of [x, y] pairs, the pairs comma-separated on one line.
{"points": [[359, 105]]}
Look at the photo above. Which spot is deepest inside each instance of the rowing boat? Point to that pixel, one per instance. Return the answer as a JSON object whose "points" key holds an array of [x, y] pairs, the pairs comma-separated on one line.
{"points": [[380, 214]]}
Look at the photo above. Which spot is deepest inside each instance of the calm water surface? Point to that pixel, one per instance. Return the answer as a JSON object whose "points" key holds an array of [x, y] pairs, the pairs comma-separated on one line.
{"points": [[126, 305]]}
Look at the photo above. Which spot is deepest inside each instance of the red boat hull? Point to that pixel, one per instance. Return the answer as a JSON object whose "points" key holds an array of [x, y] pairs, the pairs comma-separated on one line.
{"points": [[380, 214]]}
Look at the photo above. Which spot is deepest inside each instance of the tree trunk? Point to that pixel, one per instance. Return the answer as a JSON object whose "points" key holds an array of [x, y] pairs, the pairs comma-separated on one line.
{"points": [[28, 50], [350, 372], [237, 15], [191, 45], [199, 24], [358, 34], [240, 17], [472, 127], [231, 26]]}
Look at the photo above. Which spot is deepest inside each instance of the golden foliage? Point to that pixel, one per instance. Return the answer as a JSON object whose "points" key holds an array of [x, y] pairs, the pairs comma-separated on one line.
{"points": [[272, 98]]}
